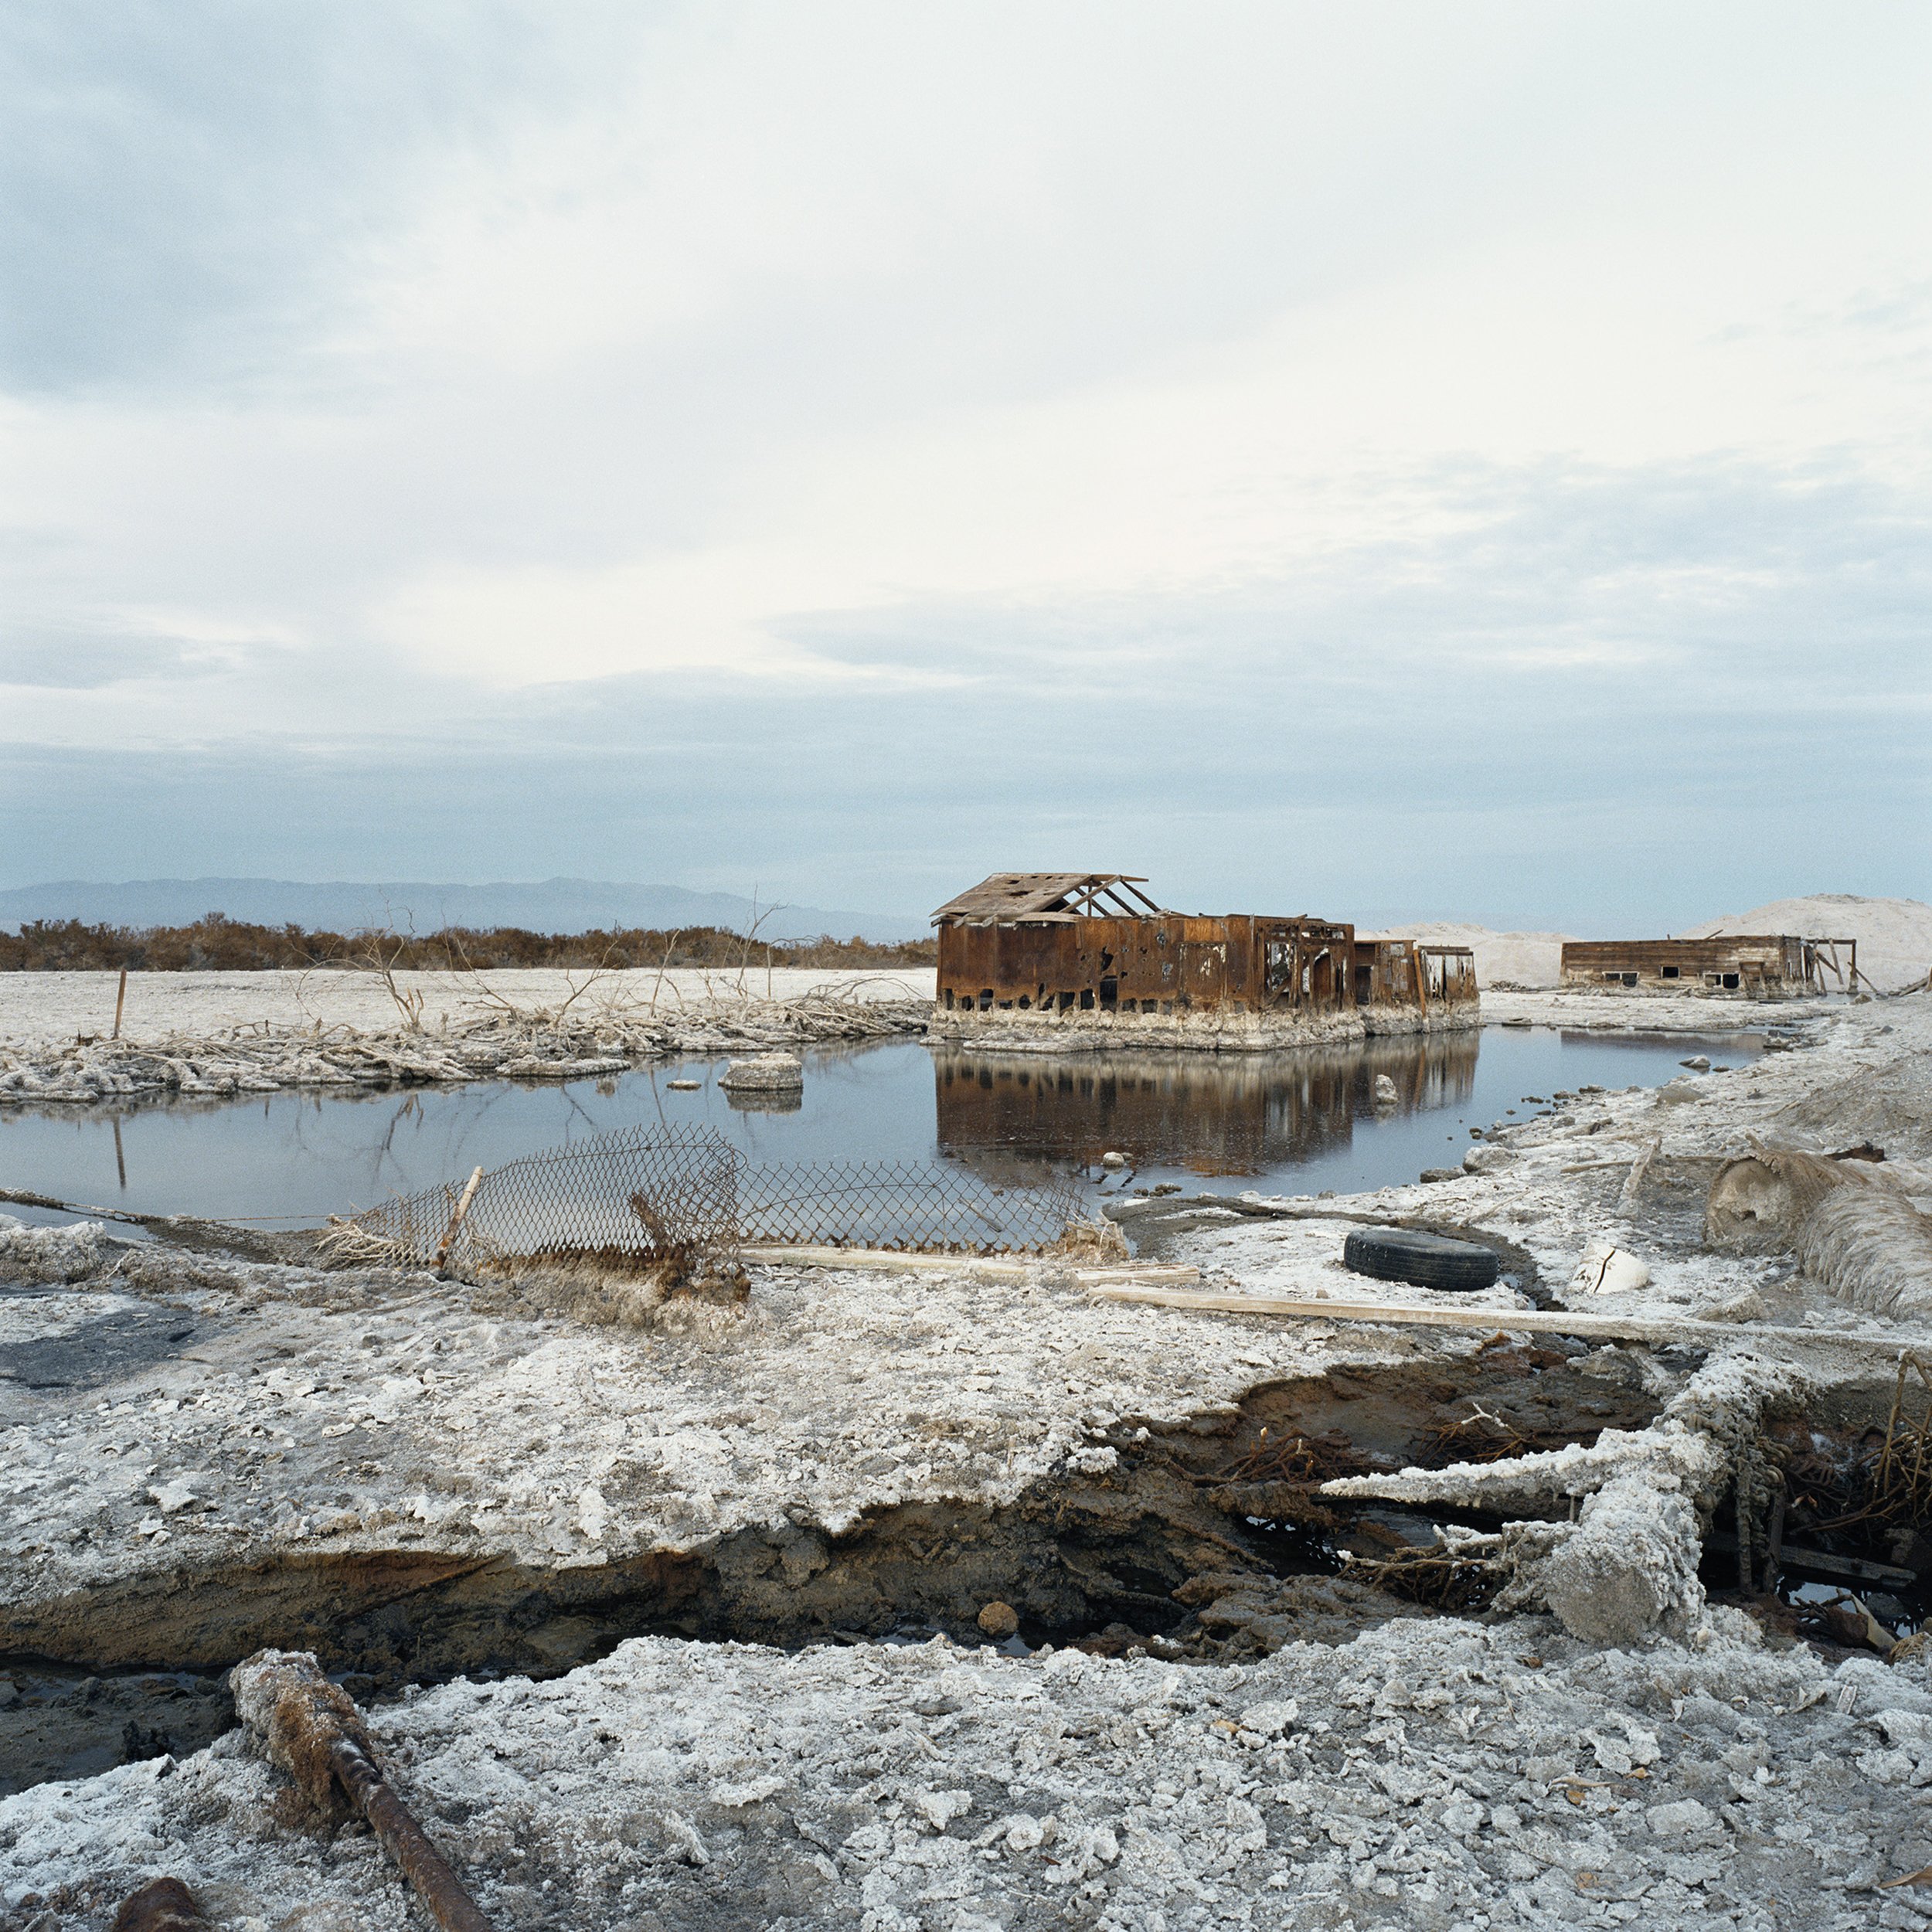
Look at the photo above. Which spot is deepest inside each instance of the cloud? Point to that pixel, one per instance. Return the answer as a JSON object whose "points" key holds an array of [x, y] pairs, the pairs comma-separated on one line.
{"points": [[188, 187], [847, 449]]}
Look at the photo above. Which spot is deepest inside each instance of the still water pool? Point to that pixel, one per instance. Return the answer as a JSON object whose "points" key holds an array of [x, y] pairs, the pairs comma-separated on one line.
{"points": [[1295, 1122]]}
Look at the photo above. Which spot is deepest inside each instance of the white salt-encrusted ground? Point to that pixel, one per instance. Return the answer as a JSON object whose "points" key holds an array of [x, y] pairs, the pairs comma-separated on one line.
{"points": [[1433, 1773], [1427, 1777], [52, 1009]]}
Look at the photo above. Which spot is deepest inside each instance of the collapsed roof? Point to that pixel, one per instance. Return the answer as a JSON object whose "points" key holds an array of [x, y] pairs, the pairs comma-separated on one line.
{"points": [[1046, 898]]}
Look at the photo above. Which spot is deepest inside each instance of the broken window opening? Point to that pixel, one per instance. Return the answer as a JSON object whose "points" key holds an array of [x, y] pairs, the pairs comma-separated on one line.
{"points": [[1109, 988], [1087, 999]]}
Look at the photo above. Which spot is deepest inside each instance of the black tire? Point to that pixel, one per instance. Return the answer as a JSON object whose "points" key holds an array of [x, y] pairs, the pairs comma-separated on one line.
{"points": [[1425, 1260]]}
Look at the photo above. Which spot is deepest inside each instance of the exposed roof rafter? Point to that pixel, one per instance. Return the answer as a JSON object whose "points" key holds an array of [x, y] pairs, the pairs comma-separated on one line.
{"points": [[1046, 898]]}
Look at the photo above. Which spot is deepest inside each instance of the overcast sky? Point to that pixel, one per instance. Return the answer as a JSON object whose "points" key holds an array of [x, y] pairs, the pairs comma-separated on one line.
{"points": [[1463, 460]]}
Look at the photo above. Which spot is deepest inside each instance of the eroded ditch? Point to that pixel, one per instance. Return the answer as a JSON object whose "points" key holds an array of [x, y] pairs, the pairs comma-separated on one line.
{"points": [[1202, 1540]]}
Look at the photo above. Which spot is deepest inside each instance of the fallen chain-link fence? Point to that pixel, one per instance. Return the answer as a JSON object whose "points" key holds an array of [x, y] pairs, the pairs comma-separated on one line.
{"points": [[684, 1203], [661, 1199], [920, 1206]]}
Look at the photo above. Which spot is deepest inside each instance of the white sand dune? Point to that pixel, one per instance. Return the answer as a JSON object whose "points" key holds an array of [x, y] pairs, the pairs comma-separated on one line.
{"points": [[1894, 935], [1513, 959]]}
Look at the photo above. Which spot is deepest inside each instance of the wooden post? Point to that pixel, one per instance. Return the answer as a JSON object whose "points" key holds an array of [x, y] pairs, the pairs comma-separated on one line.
{"points": [[1627, 1200], [120, 1000], [456, 1219]]}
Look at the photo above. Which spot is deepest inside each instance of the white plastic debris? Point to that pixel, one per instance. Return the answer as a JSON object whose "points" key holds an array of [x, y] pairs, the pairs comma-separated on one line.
{"points": [[1607, 1269]]}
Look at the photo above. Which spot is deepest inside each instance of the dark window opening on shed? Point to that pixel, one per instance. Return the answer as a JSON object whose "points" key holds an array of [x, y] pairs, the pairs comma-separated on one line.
{"points": [[1024, 1002], [1730, 980], [986, 1000], [1672, 972], [1087, 999], [1109, 990]]}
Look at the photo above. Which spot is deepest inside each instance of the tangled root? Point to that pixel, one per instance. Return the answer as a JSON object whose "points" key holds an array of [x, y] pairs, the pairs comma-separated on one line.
{"points": [[1761, 1201]]}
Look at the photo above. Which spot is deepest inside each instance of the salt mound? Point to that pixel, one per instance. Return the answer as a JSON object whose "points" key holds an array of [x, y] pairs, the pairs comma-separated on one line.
{"points": [[1894, 935], [1521, 959]]}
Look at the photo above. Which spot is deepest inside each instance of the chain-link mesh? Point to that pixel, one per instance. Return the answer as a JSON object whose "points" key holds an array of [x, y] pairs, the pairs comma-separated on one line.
{"points": [[643, 1199], [683, 1199], [914, 1204]]}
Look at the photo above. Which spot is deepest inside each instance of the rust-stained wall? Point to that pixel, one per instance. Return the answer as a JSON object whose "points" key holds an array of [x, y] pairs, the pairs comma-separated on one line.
{"points": [[1731, 964], [1172, 965], [1400, 972]]}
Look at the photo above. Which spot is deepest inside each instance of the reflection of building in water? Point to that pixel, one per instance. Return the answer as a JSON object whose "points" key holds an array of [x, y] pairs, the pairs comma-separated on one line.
{"points": [[1221, 1115]]}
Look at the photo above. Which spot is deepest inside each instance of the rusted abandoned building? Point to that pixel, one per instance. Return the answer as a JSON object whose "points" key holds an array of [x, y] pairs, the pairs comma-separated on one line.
{"points": [[1045, 960], [1777, 966], [1405, 987]]}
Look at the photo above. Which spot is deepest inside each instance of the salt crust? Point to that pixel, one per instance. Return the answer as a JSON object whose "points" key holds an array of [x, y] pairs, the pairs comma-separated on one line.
{"points": [[1428, 1775]]}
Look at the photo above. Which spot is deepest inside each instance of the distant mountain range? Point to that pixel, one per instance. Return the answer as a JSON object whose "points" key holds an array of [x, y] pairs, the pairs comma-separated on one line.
{"points": [[553, 906]]}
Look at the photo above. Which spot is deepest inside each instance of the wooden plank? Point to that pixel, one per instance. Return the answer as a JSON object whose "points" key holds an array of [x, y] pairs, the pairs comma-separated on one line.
{"points": [[1608, 1327], [1127, 1273], [988, 1266], [1825, 1563]]}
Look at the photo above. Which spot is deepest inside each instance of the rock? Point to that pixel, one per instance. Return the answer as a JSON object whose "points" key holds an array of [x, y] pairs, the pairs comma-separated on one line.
{"points": [[999, 1619], [1434, 1174], [1748, 1307], [1386, 1098], [1113, 1158], [1698, 1063], [1026, 1833], [765, 1071], [684, 1087]]}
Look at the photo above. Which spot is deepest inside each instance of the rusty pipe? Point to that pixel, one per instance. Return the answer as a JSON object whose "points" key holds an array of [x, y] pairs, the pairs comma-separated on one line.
{"points": [[311, 1729], [398, 1833]]}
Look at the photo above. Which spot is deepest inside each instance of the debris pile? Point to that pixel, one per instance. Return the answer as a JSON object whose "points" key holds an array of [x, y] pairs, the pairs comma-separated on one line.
{"points": [[267, 1058]]}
